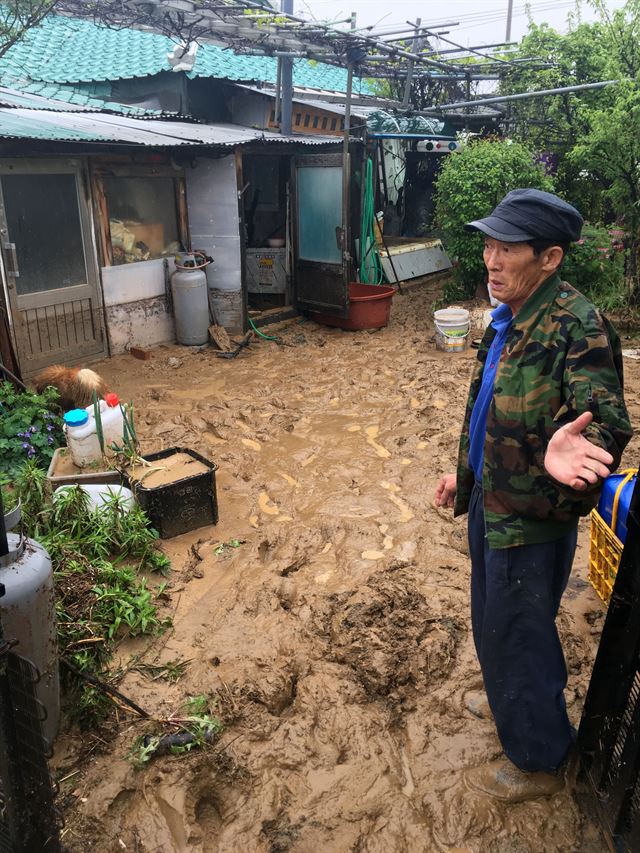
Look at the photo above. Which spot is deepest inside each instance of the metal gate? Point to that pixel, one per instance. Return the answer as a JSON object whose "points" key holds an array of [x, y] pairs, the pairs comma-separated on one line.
{"points": [[49, 262]]}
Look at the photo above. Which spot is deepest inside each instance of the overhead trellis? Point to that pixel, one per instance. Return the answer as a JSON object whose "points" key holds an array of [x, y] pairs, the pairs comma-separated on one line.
{"points": [[249, 26]]}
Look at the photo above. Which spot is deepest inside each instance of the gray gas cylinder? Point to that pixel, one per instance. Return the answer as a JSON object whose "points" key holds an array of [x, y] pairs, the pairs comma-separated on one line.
{"points": [[27, 610], [190, 306]]}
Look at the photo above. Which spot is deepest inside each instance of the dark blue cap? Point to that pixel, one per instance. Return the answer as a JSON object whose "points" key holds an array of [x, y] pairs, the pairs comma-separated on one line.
{"points": [[530, 215]]}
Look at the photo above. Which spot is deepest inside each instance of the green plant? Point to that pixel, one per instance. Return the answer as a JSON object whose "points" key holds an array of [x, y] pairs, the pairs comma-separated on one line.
{"points": [[232, 543], [595, 265], [96, 557], [468, 187], [28, 427]]}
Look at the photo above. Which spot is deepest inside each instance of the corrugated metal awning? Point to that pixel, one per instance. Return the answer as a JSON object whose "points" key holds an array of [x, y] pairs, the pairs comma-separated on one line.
{"points": [[109, 129]]}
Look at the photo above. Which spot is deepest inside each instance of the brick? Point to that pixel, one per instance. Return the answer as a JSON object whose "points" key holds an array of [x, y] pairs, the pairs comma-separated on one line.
{"points": [[138, 352]]}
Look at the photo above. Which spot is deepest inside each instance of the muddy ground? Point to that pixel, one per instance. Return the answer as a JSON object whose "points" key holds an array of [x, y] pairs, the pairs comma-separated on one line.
{"points": [[336, 637]]}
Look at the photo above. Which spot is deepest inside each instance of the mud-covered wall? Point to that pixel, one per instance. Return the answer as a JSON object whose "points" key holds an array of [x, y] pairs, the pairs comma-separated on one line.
{"points": [[214, 224], [135, 305]]}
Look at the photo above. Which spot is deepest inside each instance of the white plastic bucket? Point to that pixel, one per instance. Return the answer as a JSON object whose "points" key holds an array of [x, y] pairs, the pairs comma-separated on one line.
{"points": [[100, 494], [452, 329]]}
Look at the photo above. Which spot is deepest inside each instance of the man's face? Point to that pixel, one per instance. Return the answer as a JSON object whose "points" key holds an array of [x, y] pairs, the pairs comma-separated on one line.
{"points": [[514, 271]]}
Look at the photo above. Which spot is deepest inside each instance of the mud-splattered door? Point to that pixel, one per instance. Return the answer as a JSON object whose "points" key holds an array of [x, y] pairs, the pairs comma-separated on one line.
{"points": [[49, 263], [321, 277]]}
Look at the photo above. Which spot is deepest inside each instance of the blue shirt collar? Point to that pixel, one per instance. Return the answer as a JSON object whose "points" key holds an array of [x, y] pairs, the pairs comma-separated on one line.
{"points": [[501, 317]]}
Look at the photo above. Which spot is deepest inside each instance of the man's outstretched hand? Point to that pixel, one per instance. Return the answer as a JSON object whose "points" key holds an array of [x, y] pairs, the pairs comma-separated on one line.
{"points": [[572, 459]]}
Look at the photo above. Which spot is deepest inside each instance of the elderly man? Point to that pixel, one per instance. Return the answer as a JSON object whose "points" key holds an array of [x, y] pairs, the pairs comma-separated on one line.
{"points": [[545, 422]]}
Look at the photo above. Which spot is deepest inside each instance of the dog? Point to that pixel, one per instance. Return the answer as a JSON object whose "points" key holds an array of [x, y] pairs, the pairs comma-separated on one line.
{"points": [[75, 385]]}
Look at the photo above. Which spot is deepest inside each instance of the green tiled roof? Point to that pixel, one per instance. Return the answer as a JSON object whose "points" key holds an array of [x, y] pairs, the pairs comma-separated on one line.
{"points": [[90, 96], [66, 51]]}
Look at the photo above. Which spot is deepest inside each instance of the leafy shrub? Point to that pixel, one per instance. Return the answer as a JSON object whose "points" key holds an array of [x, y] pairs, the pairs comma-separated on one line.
{"points": [[468, 187], [28, 427], [595, 265]]}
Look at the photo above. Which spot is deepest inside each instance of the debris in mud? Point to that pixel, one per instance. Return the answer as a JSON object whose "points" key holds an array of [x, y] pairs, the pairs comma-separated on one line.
{"points": [[194, 727], [387, 634]]}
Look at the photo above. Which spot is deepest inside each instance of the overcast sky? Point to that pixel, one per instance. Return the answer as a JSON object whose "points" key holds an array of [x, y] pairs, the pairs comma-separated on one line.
{"points": [[480, 21]]}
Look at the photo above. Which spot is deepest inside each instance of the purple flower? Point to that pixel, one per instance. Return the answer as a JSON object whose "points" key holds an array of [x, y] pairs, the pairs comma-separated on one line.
{"points": [[25, 444], [49, 427], [49, 439], [33, 429]]}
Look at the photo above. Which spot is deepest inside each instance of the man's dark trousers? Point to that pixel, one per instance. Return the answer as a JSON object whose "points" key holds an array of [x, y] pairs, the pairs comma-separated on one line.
{"points": [[515, 595]]}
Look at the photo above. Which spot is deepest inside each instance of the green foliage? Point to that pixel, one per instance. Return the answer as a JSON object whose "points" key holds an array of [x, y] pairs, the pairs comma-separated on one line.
{"points": [[19, 16], [593, 133], [96, 556], [595, 265], [609, 156], [468, 187], [28, 427]]}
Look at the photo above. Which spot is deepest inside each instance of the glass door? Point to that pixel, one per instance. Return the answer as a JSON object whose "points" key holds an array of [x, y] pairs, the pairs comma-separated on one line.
{"points": [[320, 269], [49, 262]]}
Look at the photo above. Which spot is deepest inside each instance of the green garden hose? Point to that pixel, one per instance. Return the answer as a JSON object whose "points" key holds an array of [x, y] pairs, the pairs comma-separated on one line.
{"points": [[262, 334], [370, 265]]}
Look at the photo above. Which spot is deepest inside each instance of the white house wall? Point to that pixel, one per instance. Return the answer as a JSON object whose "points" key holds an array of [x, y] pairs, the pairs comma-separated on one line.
{"points": [[214, 224], [135, 305]]}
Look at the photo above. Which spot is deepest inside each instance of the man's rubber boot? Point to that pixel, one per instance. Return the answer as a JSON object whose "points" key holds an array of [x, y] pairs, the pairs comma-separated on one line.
{"points": [[503, 781]]}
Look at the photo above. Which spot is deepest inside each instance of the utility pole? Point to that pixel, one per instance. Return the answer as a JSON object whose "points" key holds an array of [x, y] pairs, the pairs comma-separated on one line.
{"points": [[509, 17], [286, 80], [415, 48]]}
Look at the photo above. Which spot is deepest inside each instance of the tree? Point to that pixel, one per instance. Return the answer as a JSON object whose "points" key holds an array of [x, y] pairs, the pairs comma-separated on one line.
{"points": [[551, 124], [468, 187], [19, 16], [610, 153]]}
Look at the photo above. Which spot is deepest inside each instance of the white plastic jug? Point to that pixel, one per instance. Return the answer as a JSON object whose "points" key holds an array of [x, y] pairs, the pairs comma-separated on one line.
{"points": [[82, 437]]}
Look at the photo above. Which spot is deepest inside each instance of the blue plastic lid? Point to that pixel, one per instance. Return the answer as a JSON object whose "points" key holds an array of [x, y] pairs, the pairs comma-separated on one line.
{"points": [[76, 417]]}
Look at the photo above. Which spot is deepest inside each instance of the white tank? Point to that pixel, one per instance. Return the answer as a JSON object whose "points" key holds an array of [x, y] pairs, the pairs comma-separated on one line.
{"points": [[82, 436], [27, 611], [190, 306]]}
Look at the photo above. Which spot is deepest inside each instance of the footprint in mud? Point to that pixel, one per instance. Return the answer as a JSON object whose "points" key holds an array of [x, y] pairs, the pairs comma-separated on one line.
{"points": [[372, 434]]}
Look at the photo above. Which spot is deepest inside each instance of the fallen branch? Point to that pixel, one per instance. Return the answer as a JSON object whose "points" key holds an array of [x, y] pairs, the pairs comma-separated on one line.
{"points": [[106, 688]]}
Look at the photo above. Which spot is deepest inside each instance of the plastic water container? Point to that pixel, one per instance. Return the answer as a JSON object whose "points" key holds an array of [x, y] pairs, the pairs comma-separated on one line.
{"points": [[621, 484], [82, 436]]}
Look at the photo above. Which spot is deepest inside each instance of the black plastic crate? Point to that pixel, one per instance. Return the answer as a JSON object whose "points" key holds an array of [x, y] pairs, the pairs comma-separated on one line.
{"points": [[182, 506]]}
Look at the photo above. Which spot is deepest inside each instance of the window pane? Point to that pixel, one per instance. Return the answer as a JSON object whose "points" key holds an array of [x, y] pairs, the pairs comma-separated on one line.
{"points": [[44, 223], [319, 213], [142, 218]]}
